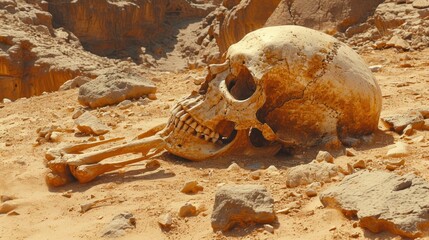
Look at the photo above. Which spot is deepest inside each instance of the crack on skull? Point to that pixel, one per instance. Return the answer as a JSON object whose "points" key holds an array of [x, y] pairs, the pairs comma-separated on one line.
{"points": [[329, 57]]}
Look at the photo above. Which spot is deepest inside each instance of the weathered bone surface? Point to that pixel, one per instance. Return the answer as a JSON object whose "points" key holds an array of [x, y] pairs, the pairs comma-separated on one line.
{"points": [[284, 86]]}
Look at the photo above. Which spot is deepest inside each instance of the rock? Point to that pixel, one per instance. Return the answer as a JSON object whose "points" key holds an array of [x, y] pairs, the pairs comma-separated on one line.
{"points": [[394, 164], [421, 4], [424, 112], [152, 96], [350, 152], [408, 130], [239, 205], [376, 68], [191, 187], [398, 42], [119, 224], [74, 83], [425, 125], [125, 104], [187, 210], [165, 220], [399, 149], [199, 80], [5, 198], [310, 192], [399, 122], [269, 228], [6, 100], [113, 88], [255, 175], [360, 164], [324, 156], [89, 124], [8, 206], [383, 201], [109, 32], [78, 113], [272, 170], [309, 173], [233, 167]]}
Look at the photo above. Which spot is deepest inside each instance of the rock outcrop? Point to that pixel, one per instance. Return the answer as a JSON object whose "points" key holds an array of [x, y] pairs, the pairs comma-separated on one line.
{"points": [[325, 15], [234, 19], [108, 27], [383, 201]]}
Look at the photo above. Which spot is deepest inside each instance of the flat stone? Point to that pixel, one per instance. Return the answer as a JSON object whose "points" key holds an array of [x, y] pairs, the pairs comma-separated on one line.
{"points": [[399, 122], [74, 83], [421, 4], [398, 42], [383, 202], [117, 227], [399, 149], [240, 205], [89, 124], [309, 173], [114, 88]]}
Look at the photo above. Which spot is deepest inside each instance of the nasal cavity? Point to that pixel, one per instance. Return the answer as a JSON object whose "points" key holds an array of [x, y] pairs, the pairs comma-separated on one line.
{"points": [[242, 86]]}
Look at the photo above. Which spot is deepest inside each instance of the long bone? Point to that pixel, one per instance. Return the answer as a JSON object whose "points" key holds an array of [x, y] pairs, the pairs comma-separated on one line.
{"points": [[67, 164]]}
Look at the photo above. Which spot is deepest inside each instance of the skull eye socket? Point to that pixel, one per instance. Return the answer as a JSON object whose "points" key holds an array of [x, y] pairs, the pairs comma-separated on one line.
{"points": [[241, 87]]}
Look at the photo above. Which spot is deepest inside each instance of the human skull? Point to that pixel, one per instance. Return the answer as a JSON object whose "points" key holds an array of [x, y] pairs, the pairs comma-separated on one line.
{"points": [[285, 86]]}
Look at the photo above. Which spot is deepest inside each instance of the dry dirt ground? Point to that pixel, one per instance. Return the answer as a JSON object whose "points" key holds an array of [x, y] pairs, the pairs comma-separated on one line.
{"points": [[44, 213]]}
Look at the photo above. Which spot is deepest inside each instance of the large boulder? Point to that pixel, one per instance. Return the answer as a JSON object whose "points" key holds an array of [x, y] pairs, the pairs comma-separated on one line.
{"points": [[383, 201], [241, 205], [113, 88]]}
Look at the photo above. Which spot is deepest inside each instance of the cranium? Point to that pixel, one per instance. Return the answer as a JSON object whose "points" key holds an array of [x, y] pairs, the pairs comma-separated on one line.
{"points": [[279, 87]]}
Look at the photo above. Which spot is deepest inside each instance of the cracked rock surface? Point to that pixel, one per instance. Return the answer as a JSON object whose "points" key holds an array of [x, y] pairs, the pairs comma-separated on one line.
{"points": [[383, 201]]}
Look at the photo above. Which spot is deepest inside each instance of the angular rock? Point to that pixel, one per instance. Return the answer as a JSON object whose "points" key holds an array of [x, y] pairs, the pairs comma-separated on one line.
{"points": [[165, 220], [187, 210], [114, 88], [191, 187], [399, 149], [383, 201], [398, 42], [399, 122], [324, 156], [119, 224], [89, 124], [309, 173], [241, 205], [74, 83]]}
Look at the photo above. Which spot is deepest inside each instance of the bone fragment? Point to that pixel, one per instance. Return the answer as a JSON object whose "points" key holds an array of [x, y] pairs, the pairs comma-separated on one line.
{"points": [[86, 173], [152, 131], [93, 204], [141, 145]]}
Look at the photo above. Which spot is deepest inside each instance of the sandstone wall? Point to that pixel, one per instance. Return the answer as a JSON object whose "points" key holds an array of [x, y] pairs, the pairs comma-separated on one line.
{"points": [[104, 27]]}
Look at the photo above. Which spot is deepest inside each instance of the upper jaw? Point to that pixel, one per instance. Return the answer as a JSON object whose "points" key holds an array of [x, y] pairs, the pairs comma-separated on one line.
{"points": [[188, 138]]}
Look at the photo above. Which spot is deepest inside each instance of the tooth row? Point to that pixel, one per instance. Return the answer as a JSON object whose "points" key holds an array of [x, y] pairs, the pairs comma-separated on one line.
{"points": [[184, 122]]}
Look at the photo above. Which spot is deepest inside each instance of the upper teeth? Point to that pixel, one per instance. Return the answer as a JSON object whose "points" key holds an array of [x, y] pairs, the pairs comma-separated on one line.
{"points": [[183, 121]]}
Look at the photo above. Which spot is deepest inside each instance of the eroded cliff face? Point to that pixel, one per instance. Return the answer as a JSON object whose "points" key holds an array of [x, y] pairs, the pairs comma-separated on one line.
{"points": [[34, 56], [104, 27]]}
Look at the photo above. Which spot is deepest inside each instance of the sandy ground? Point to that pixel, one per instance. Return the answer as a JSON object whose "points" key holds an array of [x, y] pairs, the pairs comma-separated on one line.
{"points": [[44, 213]]}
